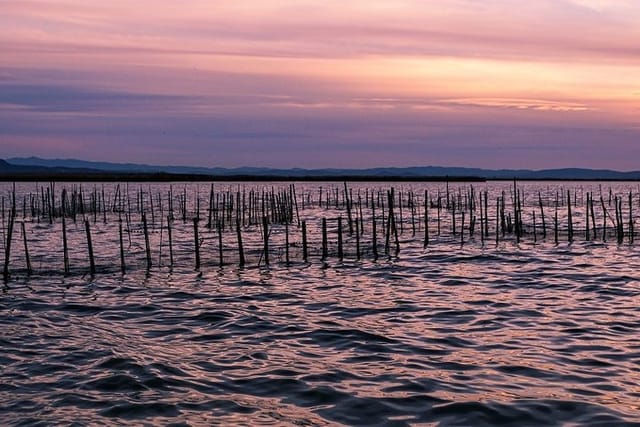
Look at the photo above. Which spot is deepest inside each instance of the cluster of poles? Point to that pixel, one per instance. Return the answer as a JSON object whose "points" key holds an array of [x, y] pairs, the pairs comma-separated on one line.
{"points": [[369, 222]]}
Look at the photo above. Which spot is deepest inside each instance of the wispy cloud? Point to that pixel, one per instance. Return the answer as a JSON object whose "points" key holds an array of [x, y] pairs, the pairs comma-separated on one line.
{"points": [[523, 104], [542, 30]]}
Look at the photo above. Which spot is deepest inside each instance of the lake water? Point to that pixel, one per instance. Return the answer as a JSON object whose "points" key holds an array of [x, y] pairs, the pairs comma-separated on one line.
{"points": [[479, 333]]}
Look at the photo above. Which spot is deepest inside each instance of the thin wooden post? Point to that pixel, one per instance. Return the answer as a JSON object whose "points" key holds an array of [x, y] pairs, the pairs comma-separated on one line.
{"points": [[390, 220], [374, 231], [426, 219], [169, 234], [304, 241], [631, 225], [220, 247], [122, 264], [604, 219], [570, 218], [324, 239], [210, 206], [92, 263], [196, 241], [7, 248], [265, 229], [340, 253], [357, 243], [587, 230], [146, 240], [593, 220], [286, 242], [65, 246], [439, 207], [497, 221], [555, 227], [462, 231], [26, 248], [240, 247], [453, 217]]}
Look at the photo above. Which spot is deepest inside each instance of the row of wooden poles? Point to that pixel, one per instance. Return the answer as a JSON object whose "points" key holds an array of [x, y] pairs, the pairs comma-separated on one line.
{"points": [[238, 210]]}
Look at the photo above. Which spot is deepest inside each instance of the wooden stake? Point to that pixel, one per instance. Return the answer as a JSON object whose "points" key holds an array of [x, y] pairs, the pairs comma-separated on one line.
{"points": [[65, 246], [304, 241], [196, 241], [92, 263], [324, 239], [220, 247], [122, 264], [169, 234], [240, 247], [146, 241], [340, 253], [265, 229], [374, 232], [286, 243]]}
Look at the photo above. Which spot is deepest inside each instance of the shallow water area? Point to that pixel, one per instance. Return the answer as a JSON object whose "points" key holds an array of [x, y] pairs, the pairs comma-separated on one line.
{"points": [[448, 336], [471, 329]]}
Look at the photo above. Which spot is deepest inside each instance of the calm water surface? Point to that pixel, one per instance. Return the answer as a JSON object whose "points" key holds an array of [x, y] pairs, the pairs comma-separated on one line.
{"points": [[516, 335]]}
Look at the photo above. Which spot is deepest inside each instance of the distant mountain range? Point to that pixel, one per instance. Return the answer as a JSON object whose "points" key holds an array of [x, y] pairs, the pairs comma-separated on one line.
{"points": [[36, 165]]}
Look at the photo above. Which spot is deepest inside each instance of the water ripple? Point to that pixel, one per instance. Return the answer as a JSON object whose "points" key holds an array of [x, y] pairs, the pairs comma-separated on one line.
{"points": [[513, 336]]}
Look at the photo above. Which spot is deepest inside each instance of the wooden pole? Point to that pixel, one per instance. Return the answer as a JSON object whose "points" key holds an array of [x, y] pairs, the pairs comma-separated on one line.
{"points": [[7, 248], [146, 240], [631, 225], [324, 239], [265, 230], [340, 253], [240, 247], [374, 232], [555, 227], [426, 219], [357, 242], [122, 264], [497, 221], [593, 220], [570, 218], [462, 231], [304, 241], [196, 241], [220, 247], [92, 263], [65, 246], [169, 234], [348, 203], [587, 229], [286, 242], [26, 248]]}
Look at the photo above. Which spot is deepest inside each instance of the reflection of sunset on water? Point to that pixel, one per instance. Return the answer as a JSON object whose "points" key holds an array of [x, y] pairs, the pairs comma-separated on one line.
{"points": [[470, 332]]}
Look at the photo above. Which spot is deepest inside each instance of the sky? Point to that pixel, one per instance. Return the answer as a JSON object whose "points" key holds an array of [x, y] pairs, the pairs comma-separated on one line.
{"points": [[314, 84]]}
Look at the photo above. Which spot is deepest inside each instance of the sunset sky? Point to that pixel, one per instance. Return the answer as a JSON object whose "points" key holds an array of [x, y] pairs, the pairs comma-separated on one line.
{"points": [[492, 83]]}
